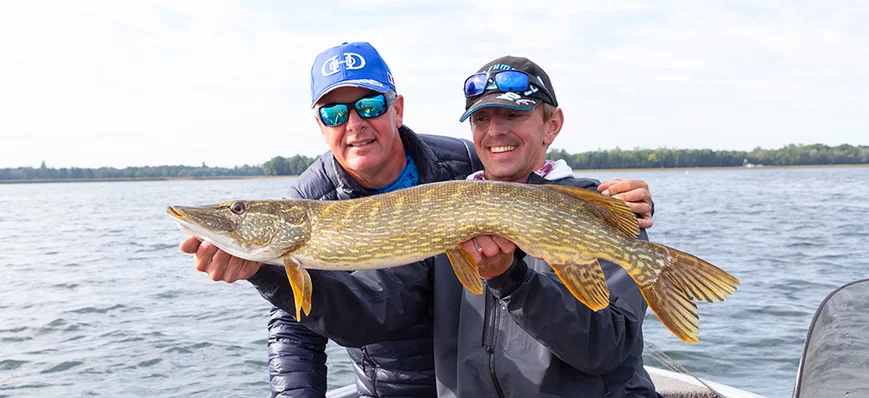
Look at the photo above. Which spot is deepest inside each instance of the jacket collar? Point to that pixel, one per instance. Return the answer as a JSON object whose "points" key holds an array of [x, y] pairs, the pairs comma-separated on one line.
{"points": [[551, 171]]}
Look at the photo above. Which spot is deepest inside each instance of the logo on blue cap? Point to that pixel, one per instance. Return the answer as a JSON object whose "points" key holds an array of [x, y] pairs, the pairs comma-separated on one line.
{"points": [[351, 61], [349, 65]]}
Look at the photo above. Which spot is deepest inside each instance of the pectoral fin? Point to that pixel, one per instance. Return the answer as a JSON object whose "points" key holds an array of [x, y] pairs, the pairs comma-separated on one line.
{"points": [[466, 269], [300, 281], [586, 282]]}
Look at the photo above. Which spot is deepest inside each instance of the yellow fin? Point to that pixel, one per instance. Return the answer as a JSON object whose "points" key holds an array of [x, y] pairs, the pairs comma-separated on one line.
{"points": [[466, 269], [300, 281], [682, 280], [614, 211], [698, 278], [586, 282], [674, 308]]}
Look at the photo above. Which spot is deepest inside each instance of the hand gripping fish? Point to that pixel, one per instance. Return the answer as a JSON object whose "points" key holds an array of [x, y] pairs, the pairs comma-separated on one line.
{"points": [[569, 228]]}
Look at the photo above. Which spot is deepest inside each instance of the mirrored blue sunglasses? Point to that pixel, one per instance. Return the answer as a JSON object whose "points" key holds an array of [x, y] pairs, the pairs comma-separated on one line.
{"points": [[367, 107], [503, 80]]}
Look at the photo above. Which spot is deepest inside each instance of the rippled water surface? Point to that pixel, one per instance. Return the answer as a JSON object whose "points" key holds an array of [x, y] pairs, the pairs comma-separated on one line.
{"points": [[96, 299]]}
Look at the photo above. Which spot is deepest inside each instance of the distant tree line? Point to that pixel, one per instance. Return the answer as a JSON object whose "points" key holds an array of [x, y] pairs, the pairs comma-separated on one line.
{"points": [[281, 166], [791, 155], [277, 166], [153, 172]]}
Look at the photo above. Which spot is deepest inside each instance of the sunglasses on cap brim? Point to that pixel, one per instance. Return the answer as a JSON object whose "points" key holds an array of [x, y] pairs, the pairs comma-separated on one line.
{"points": [[367, 107], [504, 81]]}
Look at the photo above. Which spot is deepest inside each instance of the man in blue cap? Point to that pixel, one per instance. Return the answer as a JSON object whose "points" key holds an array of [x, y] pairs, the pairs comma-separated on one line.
{"points": [[371, 151]]}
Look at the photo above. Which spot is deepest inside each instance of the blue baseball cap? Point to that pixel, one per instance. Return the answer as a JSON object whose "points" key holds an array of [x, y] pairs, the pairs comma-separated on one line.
{"points": [[349, 65]]}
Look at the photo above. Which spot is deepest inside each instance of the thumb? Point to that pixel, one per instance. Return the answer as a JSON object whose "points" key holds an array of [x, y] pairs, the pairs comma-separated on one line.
{"points": [[645, 222], [189, 245], [604, 186]]}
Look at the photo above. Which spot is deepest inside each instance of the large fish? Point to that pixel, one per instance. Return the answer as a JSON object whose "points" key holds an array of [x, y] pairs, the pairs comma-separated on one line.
{"points": [[569, 228]]}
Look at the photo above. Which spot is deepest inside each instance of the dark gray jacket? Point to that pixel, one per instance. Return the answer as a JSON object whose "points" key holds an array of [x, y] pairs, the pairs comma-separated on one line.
{"points": [[403, 367], [525, 336]]}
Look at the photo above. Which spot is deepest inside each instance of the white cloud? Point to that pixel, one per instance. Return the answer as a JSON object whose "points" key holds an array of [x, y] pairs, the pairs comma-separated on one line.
{"points": [[122, 83]]}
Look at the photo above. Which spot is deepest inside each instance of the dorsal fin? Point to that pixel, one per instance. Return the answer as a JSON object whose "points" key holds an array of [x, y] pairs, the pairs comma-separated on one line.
{"points": [[614, 211]]}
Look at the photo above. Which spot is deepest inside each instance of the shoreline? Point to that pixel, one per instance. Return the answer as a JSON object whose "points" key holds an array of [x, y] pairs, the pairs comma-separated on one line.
{"points": [[756, 167], [63, 180]]}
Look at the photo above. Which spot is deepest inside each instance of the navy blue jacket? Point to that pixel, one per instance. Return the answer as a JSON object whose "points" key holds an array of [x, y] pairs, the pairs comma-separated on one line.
{"points": [[402, 367], [525, 336]]}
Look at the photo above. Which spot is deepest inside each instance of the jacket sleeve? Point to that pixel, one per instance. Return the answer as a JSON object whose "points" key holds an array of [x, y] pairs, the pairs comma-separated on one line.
{"points": [[297, 358], [593, 342], [358, 308]]}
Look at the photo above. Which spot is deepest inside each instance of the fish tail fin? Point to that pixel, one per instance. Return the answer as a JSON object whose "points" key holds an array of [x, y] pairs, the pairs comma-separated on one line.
{"points": [[700, 279], [682, 280]]}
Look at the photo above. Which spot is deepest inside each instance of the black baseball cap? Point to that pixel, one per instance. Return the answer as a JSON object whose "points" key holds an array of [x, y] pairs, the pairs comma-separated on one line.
{"points": [[519, 100]]}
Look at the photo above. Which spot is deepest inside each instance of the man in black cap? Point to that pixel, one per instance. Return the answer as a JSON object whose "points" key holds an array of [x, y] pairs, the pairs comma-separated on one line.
{"points": [[514, 117]]}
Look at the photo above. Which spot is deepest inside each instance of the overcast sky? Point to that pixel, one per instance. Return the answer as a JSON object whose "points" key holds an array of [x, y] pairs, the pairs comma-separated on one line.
{"points": [[126, 83]]}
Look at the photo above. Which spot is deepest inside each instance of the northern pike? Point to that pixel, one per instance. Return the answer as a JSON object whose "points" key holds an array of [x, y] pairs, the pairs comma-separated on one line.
{"points": [[569, 228]]}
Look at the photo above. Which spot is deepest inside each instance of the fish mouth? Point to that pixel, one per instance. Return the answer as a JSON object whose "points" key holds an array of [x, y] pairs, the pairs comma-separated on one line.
{"points": [[174, 212]]}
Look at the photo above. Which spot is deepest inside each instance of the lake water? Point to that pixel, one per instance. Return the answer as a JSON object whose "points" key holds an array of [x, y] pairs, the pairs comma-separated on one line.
{"points": [[96, 299]]}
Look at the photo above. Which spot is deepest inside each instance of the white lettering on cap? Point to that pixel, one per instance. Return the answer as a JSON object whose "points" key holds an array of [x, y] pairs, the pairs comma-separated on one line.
{"points": [[509, 96], [351, 61]]}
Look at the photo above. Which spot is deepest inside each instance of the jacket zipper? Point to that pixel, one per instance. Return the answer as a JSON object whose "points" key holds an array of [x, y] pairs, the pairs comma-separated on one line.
{"points": [[369, 369], [490, 348]]}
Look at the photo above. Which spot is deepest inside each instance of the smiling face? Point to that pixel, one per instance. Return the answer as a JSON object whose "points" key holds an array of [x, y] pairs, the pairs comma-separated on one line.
{"points": [[370, 150], [512, 144]]}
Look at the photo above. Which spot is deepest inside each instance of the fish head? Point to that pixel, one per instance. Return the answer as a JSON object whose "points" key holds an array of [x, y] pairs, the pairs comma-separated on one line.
{"points": [[262, 231]]}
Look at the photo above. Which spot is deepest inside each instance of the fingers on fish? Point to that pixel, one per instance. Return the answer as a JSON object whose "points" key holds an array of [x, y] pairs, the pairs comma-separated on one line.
{"points": [[300, 282], [685, 279]]}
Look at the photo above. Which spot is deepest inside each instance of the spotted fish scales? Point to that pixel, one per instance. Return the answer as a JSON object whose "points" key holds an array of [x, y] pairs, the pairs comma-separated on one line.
{"points": [[569, 228]]}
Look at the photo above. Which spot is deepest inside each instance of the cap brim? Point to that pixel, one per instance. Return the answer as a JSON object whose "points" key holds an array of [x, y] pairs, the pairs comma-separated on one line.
{"points": [[363, 83], [499, 99]]}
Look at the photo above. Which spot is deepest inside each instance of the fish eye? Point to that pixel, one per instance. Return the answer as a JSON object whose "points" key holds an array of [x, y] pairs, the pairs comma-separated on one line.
{"points": [[237, 207]]}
